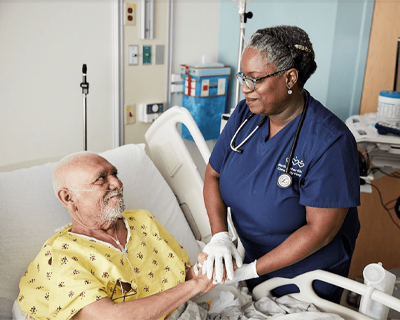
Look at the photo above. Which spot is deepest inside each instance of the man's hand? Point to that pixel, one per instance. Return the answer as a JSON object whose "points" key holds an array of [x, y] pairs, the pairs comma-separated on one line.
{"points": [[198, 275], [201, 257], [220, 251]]}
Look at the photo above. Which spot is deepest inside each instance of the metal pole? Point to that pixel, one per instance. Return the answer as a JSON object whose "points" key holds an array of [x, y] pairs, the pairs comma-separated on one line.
{"points": [[85, 122], [85, 90], [243, 19], [119, 124], [242, 12], [169, 54]]}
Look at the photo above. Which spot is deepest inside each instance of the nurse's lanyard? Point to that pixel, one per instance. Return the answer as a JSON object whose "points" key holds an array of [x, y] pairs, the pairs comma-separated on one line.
{"points": [[284, 179]]}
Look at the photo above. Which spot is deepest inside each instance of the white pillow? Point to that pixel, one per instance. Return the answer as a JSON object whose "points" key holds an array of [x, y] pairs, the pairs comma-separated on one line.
{"points": [[145, 188], [30, 212]]}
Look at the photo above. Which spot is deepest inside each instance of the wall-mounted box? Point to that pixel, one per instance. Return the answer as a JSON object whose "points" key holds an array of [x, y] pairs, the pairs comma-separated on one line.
{"points": [[205, 95], [148, 112]]}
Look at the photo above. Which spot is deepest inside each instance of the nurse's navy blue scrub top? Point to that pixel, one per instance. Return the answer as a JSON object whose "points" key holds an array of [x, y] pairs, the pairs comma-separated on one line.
{"points": [[325, 174]]}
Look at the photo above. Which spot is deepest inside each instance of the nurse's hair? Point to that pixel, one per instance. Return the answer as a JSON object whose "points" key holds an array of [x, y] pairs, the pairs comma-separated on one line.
{"points": [[286, 47]]}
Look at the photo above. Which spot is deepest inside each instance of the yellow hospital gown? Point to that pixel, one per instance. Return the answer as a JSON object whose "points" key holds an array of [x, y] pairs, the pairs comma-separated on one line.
{"points": [[72, 271]]}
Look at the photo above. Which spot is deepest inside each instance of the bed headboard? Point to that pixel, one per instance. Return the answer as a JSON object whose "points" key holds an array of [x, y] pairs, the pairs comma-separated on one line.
{"points": [[30, 212], [173, 160]]}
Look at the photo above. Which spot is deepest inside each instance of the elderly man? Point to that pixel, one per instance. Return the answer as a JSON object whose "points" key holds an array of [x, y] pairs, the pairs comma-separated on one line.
{"points": [[109, 264]]}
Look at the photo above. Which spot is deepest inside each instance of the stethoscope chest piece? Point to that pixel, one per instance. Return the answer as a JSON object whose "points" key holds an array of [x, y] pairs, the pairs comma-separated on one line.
{"points": [[284, 180]]}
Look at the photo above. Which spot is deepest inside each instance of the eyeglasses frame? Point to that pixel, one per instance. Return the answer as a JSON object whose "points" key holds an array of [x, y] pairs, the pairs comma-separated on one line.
{"points": [[241, 76]]}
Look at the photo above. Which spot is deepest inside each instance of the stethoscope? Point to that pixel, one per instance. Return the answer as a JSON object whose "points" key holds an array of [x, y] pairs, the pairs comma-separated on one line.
{"points": [[284, 179]]}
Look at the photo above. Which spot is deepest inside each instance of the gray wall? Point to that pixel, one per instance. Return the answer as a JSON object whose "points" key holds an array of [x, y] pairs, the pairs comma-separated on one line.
{"points": [[339, 31]]}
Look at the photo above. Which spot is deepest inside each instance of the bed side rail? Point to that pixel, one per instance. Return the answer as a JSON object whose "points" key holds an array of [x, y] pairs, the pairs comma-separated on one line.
{"points": [[173, 160], [307, 294]]}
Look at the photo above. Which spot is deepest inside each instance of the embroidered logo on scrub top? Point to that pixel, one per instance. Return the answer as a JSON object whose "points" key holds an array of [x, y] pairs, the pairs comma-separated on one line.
{"points": [[297, 162], [295, 168]]}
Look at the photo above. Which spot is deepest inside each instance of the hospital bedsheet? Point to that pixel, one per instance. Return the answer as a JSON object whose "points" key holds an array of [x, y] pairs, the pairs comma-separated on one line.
{"points": [[234, 303]]}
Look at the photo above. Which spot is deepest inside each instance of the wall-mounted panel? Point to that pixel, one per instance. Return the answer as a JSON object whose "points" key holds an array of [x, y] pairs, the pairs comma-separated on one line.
{"points": [[146, 80]]}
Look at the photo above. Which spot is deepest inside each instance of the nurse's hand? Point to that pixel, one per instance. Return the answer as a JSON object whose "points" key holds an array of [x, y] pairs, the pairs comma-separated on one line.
{"points": [[247, 271], [220, 251]]}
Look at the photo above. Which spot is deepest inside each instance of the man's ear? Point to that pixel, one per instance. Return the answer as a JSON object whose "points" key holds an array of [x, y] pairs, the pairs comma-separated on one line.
{"points": [[65, 196]]}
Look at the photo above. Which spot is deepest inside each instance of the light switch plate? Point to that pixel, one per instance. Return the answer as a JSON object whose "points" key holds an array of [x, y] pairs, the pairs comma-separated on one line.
{"points": [[133, 55]]}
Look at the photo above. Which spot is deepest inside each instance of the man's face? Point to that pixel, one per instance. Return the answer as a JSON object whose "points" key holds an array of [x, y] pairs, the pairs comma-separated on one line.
{"points": [[112, 213], [97, 191]]}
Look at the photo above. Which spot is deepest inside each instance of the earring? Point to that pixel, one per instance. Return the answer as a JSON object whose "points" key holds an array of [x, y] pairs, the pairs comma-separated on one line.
{"points": [[289, 90]]}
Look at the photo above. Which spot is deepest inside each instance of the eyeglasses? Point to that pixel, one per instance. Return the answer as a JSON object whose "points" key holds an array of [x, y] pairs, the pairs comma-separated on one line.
{"points": [[250, 82]]}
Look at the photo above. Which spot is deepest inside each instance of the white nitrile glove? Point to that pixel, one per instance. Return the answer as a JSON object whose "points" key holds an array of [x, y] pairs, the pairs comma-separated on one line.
{"points": [[247, 271], [220, 248]]}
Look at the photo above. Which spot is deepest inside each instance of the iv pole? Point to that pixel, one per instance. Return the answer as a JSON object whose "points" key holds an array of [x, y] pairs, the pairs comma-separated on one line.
{"points": [[243, 19], [85, 90]]}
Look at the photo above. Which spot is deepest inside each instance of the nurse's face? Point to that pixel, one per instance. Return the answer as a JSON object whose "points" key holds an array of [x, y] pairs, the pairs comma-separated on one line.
{"points": [[270, 96]]}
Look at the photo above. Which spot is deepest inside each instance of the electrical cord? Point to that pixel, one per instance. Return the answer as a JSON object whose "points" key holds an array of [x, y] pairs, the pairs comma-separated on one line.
{"points": [[395, 175], [365, 170], [385, 206]]}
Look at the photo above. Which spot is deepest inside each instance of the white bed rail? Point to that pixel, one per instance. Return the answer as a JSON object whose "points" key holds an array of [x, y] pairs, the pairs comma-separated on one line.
{"points": [[171, 157], [307, 294]]}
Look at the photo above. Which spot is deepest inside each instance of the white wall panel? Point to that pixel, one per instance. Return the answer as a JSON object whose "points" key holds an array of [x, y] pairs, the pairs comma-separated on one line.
{"points": [[43, 47]]}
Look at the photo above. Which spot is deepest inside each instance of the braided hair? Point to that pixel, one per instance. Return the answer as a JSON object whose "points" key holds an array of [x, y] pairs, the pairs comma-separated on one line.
{"points": [[286, 47]]}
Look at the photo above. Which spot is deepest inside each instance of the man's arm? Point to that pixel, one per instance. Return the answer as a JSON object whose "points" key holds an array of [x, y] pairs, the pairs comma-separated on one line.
{"points": [[151, 307]]}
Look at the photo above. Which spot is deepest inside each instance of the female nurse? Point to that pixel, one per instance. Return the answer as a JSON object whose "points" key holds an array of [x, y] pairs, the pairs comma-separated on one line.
{"points": [[289, 173]]}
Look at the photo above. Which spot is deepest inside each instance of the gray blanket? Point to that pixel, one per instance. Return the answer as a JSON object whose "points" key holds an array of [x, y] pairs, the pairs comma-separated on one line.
{"points": [[234, 303]]}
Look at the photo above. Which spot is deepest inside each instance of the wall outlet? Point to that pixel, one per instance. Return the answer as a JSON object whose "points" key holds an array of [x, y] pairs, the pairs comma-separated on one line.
{"points": [[130, 114], [130, 14]]}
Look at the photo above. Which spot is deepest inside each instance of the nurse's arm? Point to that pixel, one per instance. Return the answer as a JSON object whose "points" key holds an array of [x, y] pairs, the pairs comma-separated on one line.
{"points": [[322, 226], [215, 206]]}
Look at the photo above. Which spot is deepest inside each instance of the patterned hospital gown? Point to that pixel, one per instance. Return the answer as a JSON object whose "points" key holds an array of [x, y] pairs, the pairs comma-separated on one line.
{"points": [[72, 271]]}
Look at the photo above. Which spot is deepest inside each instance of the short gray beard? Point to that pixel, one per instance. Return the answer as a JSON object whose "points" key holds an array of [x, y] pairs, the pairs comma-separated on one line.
{"points": [[110, 214]]}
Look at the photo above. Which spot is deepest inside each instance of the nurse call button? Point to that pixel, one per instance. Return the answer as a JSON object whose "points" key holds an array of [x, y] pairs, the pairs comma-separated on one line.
{"points": [[284, 180]]}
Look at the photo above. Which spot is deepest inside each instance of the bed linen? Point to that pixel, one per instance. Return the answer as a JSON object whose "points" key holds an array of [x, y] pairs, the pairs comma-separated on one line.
{"points": [[234, 303]]}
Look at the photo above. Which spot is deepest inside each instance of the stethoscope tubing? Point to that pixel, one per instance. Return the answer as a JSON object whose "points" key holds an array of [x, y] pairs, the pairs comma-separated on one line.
{"points": [[248, 137], [296, 136]]}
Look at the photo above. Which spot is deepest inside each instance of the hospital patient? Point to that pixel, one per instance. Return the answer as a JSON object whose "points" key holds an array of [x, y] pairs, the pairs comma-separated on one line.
{"points": [[109, 264]]}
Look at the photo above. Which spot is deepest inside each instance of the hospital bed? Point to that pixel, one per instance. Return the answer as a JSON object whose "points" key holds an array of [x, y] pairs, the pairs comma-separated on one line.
{"points": [[169, 186]]}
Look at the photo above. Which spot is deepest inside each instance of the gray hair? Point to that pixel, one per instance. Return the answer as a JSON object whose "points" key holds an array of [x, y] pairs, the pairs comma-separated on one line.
{"points": [[59, 178], [286, 47]]}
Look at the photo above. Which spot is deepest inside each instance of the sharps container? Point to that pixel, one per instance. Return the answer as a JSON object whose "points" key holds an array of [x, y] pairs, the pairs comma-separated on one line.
{"points": [[376, 277], [389, 107]]}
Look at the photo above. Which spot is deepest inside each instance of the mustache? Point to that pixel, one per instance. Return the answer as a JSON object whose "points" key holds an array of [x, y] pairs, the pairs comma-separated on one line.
{"points": [[117, 192]]}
